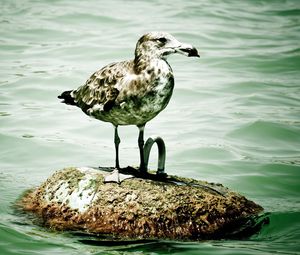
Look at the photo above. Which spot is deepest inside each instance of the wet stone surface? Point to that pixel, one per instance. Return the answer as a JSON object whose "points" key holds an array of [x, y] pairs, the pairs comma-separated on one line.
{"points": [[152, 208]]}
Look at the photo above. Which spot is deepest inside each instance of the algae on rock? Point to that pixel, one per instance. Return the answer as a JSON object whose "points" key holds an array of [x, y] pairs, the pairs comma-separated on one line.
{"points": [[171, 208]]}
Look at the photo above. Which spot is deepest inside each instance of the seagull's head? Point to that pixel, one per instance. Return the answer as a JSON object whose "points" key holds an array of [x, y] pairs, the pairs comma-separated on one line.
{"points": [[161, 45]]}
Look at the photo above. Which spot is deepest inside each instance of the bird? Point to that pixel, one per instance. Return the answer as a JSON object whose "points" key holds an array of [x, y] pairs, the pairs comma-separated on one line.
{"points": [[131, 92]]}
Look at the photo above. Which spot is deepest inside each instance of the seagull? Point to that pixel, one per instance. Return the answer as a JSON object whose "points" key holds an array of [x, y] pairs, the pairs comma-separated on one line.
{"points": [[131, 92]]}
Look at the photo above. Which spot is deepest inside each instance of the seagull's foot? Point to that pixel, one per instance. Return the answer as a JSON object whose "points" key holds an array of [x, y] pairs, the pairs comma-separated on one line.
{"points": [[143, 173], [116, 176], [143, 169]]}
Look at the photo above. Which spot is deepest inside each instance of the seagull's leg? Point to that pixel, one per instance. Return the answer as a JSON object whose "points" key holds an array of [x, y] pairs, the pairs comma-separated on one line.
{"points": [[115, 175], [117, 142], [141, 148]]}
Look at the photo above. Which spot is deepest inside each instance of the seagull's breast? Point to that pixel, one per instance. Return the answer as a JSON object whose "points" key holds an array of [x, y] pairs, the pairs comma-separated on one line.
{"points": [[155, 90], [162, 85]]}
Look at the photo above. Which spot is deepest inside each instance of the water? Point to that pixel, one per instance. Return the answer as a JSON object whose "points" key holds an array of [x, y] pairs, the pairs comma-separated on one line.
{"points": [[234, 117]]}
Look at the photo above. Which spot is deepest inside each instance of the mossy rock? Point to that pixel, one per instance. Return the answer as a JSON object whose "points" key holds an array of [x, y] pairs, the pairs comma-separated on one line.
{"points": [[149, 207]]}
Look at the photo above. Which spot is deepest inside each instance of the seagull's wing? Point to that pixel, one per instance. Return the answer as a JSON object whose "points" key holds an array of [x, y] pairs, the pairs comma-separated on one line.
{"points": [[103, 87]]}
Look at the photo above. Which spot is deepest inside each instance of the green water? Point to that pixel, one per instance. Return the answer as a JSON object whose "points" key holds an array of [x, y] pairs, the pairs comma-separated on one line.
{"points": [[234, 117]]}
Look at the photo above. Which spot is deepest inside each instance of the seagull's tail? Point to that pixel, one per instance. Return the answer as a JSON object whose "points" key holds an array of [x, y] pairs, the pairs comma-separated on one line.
{"points": [[67, 97]]}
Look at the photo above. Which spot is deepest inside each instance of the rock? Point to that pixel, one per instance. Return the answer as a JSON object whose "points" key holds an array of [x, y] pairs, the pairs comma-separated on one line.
{"points": [[149, 207]]}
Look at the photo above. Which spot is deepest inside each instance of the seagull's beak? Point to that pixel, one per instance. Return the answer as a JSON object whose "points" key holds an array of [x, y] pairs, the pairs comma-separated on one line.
{"points": [[187, 50]]}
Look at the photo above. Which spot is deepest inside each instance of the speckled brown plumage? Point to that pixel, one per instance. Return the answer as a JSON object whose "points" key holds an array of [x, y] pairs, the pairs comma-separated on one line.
{"points": [[132, 92]]}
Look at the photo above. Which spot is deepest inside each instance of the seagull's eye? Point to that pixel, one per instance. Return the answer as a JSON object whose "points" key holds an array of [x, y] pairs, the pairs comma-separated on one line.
{"points": [[162, 40]]}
